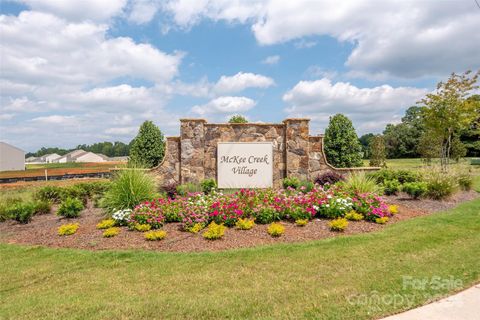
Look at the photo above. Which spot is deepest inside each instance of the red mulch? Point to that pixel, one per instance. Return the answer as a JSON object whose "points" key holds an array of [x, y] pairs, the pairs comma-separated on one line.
{"points": [[42, 230]]}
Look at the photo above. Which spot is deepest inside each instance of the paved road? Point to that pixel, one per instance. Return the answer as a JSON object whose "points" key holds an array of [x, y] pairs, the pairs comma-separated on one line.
{"points": [[462, 306]]}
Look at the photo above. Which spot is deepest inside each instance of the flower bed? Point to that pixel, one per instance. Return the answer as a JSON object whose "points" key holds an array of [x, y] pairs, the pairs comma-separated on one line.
{"points": [[197, 210]]}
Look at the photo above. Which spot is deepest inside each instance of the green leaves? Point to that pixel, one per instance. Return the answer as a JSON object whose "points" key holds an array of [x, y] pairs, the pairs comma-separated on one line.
{"points": [[342, 147], [148, 146]]}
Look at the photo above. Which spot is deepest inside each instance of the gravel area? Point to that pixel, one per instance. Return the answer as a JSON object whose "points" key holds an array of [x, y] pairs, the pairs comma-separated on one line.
{"points": [[42, 230]]}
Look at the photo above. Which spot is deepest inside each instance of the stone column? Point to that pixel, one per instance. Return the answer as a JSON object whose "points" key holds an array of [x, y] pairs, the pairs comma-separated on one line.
{"points": [[192, 150], [296, 144]]}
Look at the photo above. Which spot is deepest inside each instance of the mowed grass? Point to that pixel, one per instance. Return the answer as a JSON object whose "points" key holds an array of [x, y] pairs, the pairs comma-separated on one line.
{"points": [[416, 163], [313, 280]]}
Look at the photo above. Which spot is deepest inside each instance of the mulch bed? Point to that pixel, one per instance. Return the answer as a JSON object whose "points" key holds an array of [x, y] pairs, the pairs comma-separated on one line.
{"points": [[43, 230]]}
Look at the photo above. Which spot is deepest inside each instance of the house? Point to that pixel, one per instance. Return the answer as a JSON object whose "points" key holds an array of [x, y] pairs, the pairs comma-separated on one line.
{"points": [[11, 158], [90, 157], [50, 158], [33, 160], [70, 157], [82, 156]]}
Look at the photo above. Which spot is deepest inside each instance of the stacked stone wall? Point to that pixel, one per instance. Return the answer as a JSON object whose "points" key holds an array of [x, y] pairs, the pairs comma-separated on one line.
{"points": [[192, 156]]}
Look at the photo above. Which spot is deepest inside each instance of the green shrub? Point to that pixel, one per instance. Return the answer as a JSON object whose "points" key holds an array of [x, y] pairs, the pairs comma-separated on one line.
{"points": [[70, 208], [5, 206], [184, 189], [208, 185], [276, 229], [354, 216], [237, 118], [42, 207], [77, 192], [391, 187], [105, 224], [111, 232], [300, 213], [291, 182], [465, 181], [306, 186], [129, 188], [214, 231], [415, 189], [339, 224], [245, 224], [93, 188], [50, 193], [68, 229], [301, 222], [402, 176], [440, 186], [267, 215], [21, 212], [155, 235], [360, 183]]}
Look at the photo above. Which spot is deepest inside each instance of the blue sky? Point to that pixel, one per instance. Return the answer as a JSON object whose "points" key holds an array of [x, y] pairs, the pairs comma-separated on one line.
{"points": [[77, 72]]}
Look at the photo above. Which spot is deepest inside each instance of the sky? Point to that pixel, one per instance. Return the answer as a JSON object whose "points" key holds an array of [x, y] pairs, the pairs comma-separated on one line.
{"points": [[86, 71]]}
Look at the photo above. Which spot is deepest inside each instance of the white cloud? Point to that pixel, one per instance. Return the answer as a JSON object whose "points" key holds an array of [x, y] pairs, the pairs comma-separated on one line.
{"points": [[372, 107], [6, 116], [390, 38], [271, 59], [122, 131], [225, 105], [240, 82], [57, 75], [304, 44], [56, 120], [92, 10], [143, 11], [75, 53]]}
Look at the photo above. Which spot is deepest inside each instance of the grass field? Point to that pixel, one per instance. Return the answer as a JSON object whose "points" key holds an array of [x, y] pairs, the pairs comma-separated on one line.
{"points": [[413, 163], [350, 277]]}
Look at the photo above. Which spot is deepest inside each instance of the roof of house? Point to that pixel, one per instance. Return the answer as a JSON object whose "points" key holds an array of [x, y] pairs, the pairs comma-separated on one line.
{"points": [[10, 146]]}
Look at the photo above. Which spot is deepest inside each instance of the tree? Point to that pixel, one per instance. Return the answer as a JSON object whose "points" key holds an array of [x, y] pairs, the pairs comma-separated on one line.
{"points": [[365, 142], [377, 151], [148, 146], [401, 140], [238, 119], [342, 146], [470, 137], [448, 111]]}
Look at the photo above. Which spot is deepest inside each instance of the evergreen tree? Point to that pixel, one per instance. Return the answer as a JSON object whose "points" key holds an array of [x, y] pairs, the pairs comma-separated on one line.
{"points": [[342, 147], [148, 146], [377, 151]]}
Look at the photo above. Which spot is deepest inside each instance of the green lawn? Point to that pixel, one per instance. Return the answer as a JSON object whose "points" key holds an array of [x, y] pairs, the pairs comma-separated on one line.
{"points": [[311, 280], [413, 163]]}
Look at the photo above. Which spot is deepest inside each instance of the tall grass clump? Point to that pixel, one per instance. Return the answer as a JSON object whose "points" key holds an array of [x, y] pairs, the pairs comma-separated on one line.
{"points": [[359, 182], [129, 187], [440, 184]]}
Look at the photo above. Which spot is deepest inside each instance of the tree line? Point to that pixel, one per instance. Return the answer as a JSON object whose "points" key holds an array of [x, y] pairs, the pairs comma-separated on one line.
{"points": [[445, 124], [110, 149]]}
